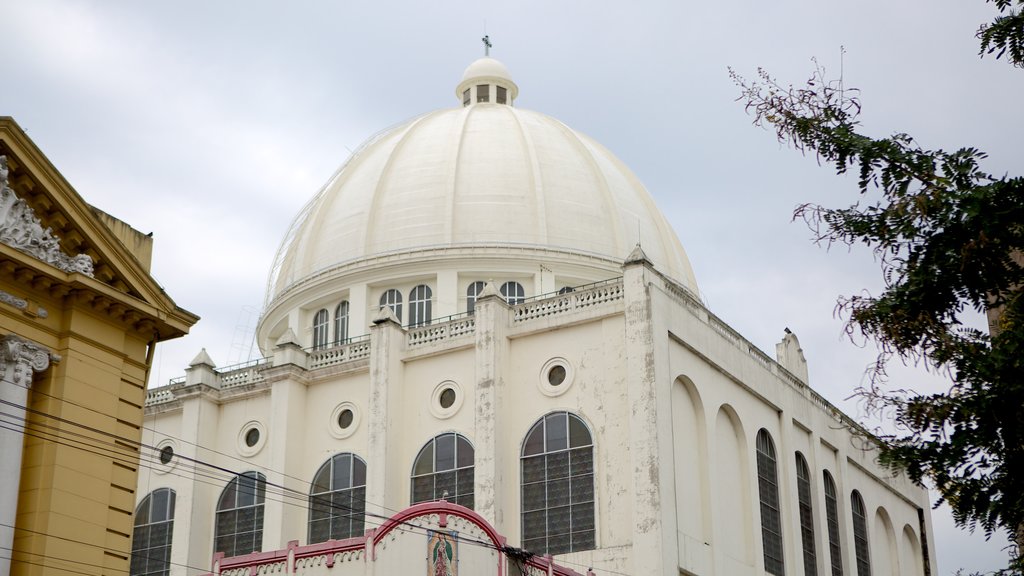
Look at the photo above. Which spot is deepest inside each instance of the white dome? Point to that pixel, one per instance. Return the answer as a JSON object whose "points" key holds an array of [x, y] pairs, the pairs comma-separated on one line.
{"points": [[485, 174]]}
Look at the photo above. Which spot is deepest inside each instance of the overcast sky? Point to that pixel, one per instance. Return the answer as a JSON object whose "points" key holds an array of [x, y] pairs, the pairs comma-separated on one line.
{"points": [[210, 124]]}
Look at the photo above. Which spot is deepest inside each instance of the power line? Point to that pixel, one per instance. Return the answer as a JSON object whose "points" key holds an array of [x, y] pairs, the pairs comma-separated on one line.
{"points": [[280, 490]]}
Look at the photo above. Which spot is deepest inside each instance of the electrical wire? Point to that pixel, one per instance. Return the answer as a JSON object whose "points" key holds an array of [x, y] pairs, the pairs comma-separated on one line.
{"points": [[136, 458]]}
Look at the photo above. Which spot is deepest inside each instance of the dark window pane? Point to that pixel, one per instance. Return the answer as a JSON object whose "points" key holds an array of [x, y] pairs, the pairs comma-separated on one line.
{"points": [[578, 433], [556, 432], [534, 496], [533, 469], [342, 472], [534, 441], [582, 516], [444, 484], [583, 540], [319, 531], [465, 481], [422, 489], [558, 521], [445, 452], [535, 524], [558, 492], [358, 472], [581, 461], [465, 453], [582, 489], [558, 465], [425, 460], [322, 480]]}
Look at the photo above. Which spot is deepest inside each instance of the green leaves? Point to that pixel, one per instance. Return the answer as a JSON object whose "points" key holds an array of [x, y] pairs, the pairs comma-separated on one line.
{"points": [[949, 238]]}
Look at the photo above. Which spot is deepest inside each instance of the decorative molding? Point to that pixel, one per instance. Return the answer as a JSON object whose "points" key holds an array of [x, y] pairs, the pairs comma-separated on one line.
{"points": [[22, 230], [23, 305], [21, 358]]}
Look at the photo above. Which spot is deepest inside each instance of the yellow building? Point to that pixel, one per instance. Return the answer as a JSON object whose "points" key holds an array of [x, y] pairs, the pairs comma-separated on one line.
{"points": [[79, 318]]}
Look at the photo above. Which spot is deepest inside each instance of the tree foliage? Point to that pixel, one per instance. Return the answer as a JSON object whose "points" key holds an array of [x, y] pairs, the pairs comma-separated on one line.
{"points": [[950, 240]]}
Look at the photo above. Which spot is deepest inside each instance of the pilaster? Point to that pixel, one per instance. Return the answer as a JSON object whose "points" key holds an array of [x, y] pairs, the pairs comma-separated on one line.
{"points": [[385, 475], [491, 315], [199, 424], [20, 359], [655, 547]]}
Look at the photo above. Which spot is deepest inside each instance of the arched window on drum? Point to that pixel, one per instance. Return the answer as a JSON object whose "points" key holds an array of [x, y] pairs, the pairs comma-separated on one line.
{"points": [[558, 486]]}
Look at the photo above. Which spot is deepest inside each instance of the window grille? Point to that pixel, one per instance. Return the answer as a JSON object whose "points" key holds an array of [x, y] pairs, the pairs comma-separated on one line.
{"points": [[500, 97], [465, 97], [557, 499], [392, 299], [803, 489], [768, 488], [151, 538], [419, 305], [444, 466], [239, 524], [337, 499]]}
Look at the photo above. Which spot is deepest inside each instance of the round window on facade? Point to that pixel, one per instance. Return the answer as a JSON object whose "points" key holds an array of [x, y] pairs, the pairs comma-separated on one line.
{"points": [[344, 420], [556, 376], [446, 399], [165, 456], [251, 438]]}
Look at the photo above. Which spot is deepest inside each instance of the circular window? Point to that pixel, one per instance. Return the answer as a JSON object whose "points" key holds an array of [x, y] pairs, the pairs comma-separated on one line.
{"points": [[446, 399], [166, 454], [556, 376], [251, 438], [344, 420]]}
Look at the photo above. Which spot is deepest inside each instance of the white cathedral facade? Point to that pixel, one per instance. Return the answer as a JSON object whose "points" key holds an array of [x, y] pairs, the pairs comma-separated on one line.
{"points": [[467, 351]]}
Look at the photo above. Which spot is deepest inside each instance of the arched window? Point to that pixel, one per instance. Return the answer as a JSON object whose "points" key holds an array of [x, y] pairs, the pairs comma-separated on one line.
{"points": [[803, 490], [151, 539], [832, 517], [472, 292], [444, 466], [419, 305], [513, 293], [768, 489], [321, 321], [392, 299], [860, 534], [337, 499], [558, 486], [239, 528], [341, 322]]}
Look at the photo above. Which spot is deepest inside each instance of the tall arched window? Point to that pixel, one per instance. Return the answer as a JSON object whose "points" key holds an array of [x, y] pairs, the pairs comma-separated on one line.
{"points": [[768, 488], [337, 499], [803, 490], [558, 486], [239, 528], [472, 292], [444, 465], [513, 293], [392, 299], [321, 321], [860, 534], [832, 517], [419, 305], [151, 538], [341, 322]]}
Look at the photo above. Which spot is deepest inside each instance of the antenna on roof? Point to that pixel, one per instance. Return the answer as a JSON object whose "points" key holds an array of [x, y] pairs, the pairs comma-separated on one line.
{"points": [[487, 44]]}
